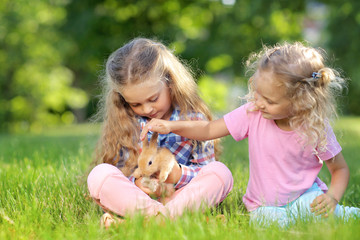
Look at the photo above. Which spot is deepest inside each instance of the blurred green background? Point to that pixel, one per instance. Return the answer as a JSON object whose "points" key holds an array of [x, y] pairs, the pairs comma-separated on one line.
{"points": [[52, 52]]}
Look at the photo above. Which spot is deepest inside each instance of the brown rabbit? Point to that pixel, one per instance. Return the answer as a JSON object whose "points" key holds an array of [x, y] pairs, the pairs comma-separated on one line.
{"points": [[153, 160]]}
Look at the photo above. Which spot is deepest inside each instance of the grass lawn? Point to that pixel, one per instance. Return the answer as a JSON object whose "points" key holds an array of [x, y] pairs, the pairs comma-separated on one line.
{"points": [[43, 194]]}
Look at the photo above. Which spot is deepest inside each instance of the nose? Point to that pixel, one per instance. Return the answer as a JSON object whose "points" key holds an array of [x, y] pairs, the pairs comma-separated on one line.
{"points": [[260, 103], [147, 109]]}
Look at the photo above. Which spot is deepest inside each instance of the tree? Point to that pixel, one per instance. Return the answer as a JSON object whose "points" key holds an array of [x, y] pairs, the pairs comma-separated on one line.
{"points": [[213, 37], [53, 51], [36, 87], [343, 33]]}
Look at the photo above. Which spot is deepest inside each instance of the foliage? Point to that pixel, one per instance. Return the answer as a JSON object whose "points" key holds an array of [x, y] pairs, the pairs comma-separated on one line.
{"points": [[43, 193], [53, 51], [343, 34], [214, 93], [210, 35], [36, 87]]}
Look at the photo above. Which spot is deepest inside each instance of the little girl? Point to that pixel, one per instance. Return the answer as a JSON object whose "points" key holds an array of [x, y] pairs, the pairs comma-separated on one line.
{"points": [[291, 102], [144, 80]]}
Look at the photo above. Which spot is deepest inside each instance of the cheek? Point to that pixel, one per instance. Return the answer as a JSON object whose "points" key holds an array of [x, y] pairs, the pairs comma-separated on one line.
{"points": [[275, 110], [137, 111], [164, 101], [284, 111], [288, 108]]}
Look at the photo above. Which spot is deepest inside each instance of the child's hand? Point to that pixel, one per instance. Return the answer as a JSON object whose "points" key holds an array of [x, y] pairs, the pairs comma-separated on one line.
{"points": [[155, 125], [323, 205], [153, 188], [138, 183]]}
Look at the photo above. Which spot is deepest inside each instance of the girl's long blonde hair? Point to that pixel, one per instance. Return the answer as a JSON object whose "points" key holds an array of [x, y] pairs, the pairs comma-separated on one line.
{"points": [[138, 61], [311, 87]]}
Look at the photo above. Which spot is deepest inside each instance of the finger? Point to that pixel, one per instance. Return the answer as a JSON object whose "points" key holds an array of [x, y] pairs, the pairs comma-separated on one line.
{"points": [[318, 207], [327, 210], [146, 190], [330, 204], [144, 132], [322, 211], [317, 201], [138, 183], [326, 215]]}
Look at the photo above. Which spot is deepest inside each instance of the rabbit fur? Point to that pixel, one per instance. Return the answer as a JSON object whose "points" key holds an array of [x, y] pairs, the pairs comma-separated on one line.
{"points": [[153, 160]]}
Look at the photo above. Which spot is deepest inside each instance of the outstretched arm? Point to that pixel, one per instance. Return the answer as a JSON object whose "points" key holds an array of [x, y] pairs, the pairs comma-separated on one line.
{"points": [[339, 180], [197, 130]]}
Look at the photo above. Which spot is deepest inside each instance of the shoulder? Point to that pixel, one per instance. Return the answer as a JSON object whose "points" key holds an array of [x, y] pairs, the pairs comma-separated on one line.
{"points": [[245, 110], [332, 147]]}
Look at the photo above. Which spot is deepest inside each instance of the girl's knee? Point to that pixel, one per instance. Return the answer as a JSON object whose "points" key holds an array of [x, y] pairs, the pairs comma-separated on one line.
{"points": [[221, 171], [267, 216], [97, 177]]}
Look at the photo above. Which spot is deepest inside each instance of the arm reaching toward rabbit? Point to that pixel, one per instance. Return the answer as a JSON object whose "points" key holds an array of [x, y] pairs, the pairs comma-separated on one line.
{"points": [[197, 130]]}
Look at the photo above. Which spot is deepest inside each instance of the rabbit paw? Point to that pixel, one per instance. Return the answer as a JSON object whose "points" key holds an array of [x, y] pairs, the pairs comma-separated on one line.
{"points": [[150, 183]]}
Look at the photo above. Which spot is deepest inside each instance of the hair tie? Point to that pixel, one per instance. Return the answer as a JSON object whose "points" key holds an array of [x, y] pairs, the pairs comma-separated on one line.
{"points": [[316, 75]]}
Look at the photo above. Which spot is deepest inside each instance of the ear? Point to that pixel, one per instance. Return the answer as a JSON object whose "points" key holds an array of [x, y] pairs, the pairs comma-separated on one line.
{"points": [[153, 140], [145, 143]]}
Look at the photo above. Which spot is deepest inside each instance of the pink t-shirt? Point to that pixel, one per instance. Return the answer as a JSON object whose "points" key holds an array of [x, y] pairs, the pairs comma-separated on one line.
{"points": [[281, 169]]}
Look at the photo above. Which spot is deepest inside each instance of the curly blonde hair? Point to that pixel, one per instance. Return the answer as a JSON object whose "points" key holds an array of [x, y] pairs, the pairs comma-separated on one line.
{"points": [[311, 87], [138, 61]]}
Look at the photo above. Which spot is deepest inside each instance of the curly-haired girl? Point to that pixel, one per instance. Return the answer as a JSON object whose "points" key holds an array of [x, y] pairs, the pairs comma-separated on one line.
{"points": [[291, 103]]}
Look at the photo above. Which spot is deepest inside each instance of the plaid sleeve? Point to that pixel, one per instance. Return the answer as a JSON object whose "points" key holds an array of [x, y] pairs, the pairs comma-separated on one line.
{"points": [[203, 153], [187, 174], [201, 156]]}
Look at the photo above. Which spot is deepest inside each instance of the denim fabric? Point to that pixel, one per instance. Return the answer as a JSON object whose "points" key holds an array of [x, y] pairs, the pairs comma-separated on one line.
{"points": [[298, 209]]}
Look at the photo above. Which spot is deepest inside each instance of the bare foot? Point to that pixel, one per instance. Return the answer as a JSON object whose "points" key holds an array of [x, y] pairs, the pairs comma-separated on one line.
{"points": [[107, 220]]}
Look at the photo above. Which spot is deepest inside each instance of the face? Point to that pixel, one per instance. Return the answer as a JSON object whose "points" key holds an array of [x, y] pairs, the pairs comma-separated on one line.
{"points": [[149, 99], [270, 97]]}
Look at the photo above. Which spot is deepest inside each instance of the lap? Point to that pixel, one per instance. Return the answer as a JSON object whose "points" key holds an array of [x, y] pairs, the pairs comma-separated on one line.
{"points": [[284, 215]]}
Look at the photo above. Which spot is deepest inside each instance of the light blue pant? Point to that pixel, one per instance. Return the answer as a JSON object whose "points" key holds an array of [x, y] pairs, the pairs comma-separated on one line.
{"points": [[299, 209]]}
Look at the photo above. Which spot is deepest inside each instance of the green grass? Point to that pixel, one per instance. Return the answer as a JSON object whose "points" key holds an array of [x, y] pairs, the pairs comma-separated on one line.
{"points": [[43, 194]]}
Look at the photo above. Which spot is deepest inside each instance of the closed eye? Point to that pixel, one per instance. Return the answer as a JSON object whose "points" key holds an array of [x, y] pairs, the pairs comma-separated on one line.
{"points": [[270, 102], [153, 99], [135, 105]]}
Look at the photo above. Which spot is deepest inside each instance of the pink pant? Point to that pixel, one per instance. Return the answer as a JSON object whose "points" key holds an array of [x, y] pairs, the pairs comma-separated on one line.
{"points": [[113, 191]]}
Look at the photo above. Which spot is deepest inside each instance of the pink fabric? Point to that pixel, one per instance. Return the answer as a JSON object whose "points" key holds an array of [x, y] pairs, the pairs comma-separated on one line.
{"points": [[113, 191], [281, 169]]}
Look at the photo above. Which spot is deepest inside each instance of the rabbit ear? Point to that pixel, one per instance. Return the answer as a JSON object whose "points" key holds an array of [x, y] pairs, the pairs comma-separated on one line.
{"points": [[145, 142], [153, 140]]}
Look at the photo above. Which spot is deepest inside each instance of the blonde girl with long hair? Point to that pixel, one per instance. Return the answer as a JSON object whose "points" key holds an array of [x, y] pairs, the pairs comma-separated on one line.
{"points": [[145, 80], [291, 103]]}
